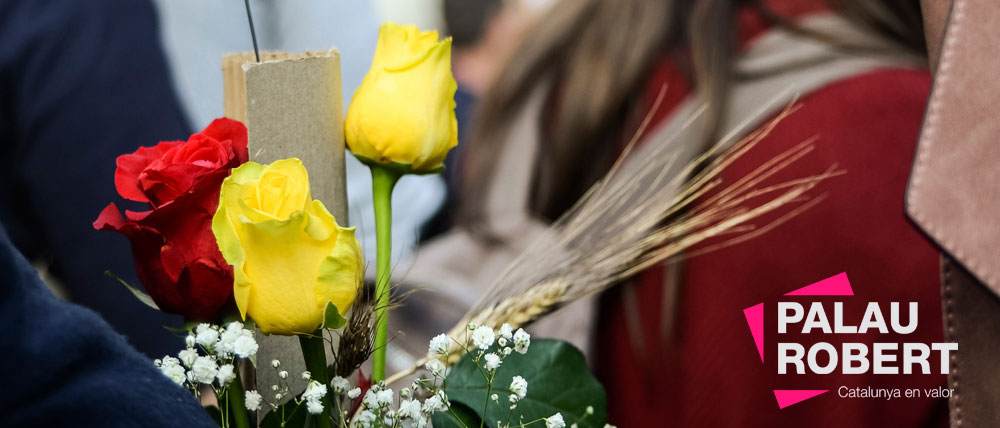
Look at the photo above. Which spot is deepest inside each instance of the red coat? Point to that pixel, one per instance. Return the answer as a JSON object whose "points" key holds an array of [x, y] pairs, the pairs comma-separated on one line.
{"points": [[700, 367]]}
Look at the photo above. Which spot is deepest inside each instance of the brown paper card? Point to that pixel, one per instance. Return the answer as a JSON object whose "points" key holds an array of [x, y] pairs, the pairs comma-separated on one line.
{"points": [[292, 106]]}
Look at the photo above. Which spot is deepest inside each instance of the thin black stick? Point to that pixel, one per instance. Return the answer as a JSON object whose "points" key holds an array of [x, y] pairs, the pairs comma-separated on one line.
{"points": [[253, 33]]}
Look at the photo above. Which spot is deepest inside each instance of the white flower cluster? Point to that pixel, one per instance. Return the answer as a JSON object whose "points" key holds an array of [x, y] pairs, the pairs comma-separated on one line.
{"points": [[377, 411], [313, 397], [483, 338], [209, 357], [478, 346]]}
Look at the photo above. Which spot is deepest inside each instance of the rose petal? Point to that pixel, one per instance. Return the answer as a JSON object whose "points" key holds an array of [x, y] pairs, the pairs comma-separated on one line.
{"points": [[165, 184], [227, 129], [131, 166], [109, 219]]}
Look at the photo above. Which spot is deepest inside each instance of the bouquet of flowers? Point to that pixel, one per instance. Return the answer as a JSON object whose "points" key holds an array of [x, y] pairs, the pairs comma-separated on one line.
{"points": [[237, 246], [241, 249]]}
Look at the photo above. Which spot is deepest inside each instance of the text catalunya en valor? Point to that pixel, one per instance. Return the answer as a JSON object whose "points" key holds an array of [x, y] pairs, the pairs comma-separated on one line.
{"points": [[855, 357]]}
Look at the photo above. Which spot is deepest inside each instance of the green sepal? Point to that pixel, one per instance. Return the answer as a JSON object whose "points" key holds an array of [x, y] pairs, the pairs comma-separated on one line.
{"points": [[332, 318], [400, 169]]}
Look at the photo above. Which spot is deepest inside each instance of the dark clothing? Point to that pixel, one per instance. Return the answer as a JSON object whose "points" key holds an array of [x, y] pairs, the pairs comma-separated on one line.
{"points": [[81, 82], [64, 366]]}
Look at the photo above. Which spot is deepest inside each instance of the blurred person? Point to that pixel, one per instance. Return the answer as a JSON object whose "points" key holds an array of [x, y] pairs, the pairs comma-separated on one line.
{"points": [[83, 82], [672, 341], [483, 33]]}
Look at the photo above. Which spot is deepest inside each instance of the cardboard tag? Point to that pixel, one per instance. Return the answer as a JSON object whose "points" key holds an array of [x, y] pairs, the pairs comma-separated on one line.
{"points": [[292, 106]]}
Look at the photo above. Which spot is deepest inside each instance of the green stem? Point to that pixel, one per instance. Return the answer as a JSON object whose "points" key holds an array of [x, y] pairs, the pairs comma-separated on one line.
{"points": [[237, 410], [383, 181], [486, 405], [314, 352]]}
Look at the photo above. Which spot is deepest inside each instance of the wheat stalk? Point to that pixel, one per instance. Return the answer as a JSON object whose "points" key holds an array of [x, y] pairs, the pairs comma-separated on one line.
{"points": [[646, 210]]}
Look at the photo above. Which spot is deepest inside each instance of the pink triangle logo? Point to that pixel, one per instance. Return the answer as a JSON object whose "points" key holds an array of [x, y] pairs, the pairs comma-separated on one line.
{"points": [[837, 285], [787, 397]]}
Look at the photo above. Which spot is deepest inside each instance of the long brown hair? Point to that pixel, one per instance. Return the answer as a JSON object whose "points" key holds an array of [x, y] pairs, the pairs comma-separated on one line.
{"points": [[598, 54]]}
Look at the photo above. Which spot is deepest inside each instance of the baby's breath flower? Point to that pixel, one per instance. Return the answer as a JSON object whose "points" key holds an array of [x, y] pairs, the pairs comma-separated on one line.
{"points": [[518, 387], [609, 426], [172, 369], [471, 326], [492, 361], [371, 400], [245, 345], [275, 363], [506, 351], [225, 374], [339, 385], [314, 391], [555, 421], [278, 396], [252, 400], [521, 341], [409, 409], [436, 367], [274, 387], [590, 410], [495, 398], [404, 393], [204, 370], [283, 374], [314, 407], [188, 356], [306, 375], [227, 339], [435, 403], [365, 419], [483, 337], [439, 345], [354, 393], [189, 341], [384, 397], [501, 342], [206, 335], [505, 331]]}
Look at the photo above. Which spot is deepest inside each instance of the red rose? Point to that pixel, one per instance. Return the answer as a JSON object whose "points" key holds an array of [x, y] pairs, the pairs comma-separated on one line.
{"points": [[174, 249]]}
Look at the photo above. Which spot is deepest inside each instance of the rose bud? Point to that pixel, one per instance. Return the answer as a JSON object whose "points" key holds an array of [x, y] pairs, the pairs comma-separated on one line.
{"points": [[174, 250], [404, 111], [289, 254]]}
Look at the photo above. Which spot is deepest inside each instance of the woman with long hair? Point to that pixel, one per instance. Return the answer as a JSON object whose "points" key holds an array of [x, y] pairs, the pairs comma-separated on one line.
{"points": [[671, 345]]}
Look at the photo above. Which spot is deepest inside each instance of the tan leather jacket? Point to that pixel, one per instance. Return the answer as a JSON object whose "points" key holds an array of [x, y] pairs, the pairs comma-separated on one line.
{"points": [[954, 196]]}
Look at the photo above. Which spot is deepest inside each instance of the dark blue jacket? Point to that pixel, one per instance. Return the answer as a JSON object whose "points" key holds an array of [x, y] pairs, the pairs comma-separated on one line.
{"points": [[81, 82], [63, 366]]}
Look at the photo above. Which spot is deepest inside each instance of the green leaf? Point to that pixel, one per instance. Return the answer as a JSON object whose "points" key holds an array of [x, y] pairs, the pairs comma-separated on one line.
{"points": [[143, 297], [332, 317], [460, 416], [558, 381]]}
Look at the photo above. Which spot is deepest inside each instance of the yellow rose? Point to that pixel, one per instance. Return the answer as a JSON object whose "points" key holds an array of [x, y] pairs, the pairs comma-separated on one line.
{"points": [[404, 111], [289, 255]]}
